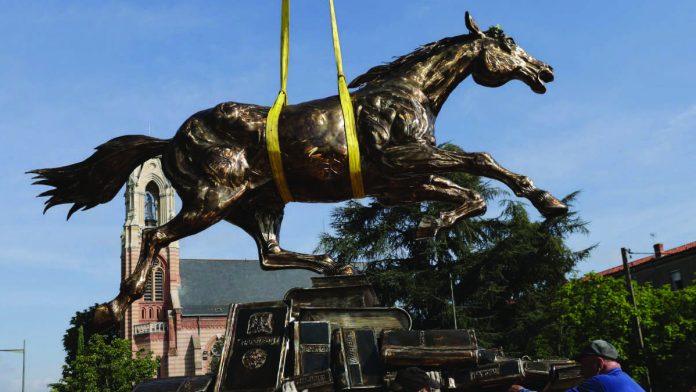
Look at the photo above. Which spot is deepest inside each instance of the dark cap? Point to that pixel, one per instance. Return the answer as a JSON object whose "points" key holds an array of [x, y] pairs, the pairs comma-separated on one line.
{"points": [[600, 348], [413, 379]]}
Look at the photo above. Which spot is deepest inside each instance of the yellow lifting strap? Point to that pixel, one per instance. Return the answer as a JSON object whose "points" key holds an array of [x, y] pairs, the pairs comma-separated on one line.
{"points": [[348, 116], [272, 143]]}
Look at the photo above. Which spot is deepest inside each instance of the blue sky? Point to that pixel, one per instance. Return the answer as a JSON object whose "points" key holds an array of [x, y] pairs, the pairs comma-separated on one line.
{"points": [[618, 122]]}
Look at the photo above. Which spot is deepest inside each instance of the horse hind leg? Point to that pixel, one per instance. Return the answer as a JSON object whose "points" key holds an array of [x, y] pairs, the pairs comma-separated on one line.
{"points": [[195, 216], [263, 225]]}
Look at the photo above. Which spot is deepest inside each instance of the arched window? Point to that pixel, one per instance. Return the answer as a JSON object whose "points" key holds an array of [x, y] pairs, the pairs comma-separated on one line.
{"points": [[159, 283], [154, 289], [148, 290], [151, 204], [142, 314]]}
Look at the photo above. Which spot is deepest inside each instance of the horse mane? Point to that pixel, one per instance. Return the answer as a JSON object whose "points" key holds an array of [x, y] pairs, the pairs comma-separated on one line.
{"points": [[379, 72]]}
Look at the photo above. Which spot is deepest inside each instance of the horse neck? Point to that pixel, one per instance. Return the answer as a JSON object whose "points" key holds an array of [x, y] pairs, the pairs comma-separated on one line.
{"points": [[441, 73]]}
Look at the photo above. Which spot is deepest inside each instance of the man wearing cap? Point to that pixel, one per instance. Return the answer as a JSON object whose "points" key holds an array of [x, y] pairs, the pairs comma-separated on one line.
{"points": [[414, 379], [602, 372]]}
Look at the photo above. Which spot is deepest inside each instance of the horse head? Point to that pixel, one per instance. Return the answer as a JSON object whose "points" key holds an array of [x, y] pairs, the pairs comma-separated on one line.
{"points": [[501, 60]]}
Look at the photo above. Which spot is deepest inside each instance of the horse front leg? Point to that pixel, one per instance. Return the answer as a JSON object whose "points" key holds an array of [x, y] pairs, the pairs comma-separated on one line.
{"points": [[422, 158], [435, 188]]}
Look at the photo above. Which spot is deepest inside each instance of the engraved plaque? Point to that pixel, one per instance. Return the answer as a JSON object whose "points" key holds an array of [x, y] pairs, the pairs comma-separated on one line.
{"points": [[312, 346], [253, 356], [315, 382], [315, 348]]}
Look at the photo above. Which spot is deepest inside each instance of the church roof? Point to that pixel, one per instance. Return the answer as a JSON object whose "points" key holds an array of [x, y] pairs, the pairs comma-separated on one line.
{"points": [[657, 258], [208, 287]]}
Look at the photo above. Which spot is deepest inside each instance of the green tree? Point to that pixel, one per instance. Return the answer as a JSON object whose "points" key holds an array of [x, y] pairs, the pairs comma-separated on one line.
{"points": [[80, 340], [590, 308], [107, 367], [671, 338], [81, 322], [76, 335], [215, 353], [503, 268], [595, 307]]}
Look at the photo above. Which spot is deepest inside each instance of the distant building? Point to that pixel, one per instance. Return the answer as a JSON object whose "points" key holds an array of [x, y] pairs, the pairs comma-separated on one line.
{"points": [[184, 309], [675, 267]]}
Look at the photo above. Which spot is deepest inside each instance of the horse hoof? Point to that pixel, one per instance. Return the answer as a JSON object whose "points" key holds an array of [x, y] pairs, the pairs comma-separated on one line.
{"points": [[104, 318], [339, 269], [427, 228], [548, 205]]}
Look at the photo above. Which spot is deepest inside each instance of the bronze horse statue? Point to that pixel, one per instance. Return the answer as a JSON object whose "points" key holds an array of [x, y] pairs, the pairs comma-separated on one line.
{"points": [[219, 165]]}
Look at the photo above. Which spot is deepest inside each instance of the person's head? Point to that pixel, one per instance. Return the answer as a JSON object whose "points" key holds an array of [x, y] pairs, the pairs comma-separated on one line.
{"points": [[414, 379], [598, 357]]}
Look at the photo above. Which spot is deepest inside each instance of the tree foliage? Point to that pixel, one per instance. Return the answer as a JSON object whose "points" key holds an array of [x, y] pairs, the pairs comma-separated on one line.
{"points": [[501, 267], [509, 276], [81, 321], [215, 353], [106, 363], [598, 307], [107, 367]]}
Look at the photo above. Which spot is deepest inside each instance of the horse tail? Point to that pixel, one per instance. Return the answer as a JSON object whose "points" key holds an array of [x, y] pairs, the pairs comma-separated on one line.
{"points": [[97, 179]]}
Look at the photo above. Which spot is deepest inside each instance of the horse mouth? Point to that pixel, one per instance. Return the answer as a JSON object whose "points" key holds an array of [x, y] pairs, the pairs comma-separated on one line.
{"points": [[538, 83], [546, 75]]}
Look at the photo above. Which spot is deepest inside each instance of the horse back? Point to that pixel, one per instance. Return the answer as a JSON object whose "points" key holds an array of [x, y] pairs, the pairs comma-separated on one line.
{"points": [[218, 146], [226, 144]]}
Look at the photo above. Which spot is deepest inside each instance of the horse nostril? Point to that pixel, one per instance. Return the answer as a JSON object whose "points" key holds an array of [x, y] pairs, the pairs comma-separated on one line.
{"points": [[546, 75]]}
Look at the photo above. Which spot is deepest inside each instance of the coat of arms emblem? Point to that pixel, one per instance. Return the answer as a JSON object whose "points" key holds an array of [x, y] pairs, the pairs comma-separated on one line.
{"points": [[260, 323]]}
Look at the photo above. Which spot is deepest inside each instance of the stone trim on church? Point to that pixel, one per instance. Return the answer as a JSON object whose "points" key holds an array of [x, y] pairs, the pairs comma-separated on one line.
{"points": [[184, 310]]}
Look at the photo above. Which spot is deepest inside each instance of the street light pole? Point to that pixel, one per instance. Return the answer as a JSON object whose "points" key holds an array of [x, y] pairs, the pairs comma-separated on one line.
{"points": [[24, 360], [22, 350], [639, 331], [632, 297]]}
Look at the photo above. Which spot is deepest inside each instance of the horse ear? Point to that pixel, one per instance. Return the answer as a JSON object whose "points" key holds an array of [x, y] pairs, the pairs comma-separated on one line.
{"points": [[471, 25]]}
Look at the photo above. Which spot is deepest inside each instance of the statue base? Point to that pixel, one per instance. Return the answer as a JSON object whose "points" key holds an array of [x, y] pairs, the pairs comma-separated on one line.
{"points": [[339, 338]]}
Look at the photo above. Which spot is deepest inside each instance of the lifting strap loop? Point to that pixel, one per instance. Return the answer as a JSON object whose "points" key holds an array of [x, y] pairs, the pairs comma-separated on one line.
{"points": [[272, 142], [348, 116]]}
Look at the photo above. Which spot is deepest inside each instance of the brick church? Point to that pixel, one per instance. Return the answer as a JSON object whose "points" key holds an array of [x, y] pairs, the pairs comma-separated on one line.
{"points": [[184, 310]]}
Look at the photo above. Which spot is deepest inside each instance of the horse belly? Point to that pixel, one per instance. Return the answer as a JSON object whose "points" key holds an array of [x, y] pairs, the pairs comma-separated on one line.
{"points": [[313, 184], [317, 173], [315, 156]]}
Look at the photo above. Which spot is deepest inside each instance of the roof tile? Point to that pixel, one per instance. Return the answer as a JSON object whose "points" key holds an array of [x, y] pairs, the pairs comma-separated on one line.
{"points": [[208, 287]]}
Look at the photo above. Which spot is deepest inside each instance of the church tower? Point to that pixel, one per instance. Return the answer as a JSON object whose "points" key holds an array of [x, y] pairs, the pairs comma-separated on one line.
{"points": [[183, 312], [149, 203]]}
